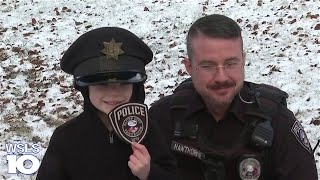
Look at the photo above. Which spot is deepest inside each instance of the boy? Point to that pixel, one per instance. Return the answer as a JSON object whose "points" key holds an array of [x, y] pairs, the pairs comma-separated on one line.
{"points": [[108, 65]]}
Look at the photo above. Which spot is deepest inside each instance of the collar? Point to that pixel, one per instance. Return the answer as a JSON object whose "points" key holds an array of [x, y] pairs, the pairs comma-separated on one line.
{"points": [[244, 105], [195, 105]]}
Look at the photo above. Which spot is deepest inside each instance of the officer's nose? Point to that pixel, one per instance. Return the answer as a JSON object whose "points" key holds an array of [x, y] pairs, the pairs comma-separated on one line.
{"points": [[221, 75]]}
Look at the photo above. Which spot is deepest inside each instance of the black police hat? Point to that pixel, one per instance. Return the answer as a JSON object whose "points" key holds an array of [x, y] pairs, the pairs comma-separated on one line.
{"points": [[107, 55]]}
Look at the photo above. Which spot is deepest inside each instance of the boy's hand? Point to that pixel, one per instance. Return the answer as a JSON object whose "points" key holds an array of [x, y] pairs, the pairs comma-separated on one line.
{"points": [[139, 161]]}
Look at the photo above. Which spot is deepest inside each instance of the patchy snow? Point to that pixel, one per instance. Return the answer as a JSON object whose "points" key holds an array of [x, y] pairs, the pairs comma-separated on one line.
{"points": [[281, 39]]}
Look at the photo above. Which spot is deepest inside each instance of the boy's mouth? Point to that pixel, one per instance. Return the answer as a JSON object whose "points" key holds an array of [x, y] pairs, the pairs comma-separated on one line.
{"points": [[112, 103]]}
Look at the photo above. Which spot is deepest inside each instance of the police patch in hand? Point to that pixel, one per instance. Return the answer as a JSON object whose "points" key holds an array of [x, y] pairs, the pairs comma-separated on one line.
{"points": [[130, 121]]}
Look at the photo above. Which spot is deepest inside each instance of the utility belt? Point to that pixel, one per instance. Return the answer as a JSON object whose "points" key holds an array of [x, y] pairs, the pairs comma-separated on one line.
{"points": [[214, 167]]}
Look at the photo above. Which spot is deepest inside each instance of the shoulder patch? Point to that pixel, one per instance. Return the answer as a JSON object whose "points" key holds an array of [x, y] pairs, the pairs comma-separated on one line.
{"points": [[301, 136]]}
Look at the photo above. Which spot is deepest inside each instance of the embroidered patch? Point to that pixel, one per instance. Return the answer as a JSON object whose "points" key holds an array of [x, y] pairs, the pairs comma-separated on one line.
{"points": [[187, 150], [301, 136], [249, 169], [130, 121]]}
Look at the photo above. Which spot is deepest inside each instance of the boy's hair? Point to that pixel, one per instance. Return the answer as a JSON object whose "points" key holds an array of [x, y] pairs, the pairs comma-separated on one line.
{"points": [[214, 26]]}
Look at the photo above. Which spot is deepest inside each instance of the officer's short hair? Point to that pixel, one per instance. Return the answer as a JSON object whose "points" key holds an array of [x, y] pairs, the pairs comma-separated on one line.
{"points": [[214, 26]]}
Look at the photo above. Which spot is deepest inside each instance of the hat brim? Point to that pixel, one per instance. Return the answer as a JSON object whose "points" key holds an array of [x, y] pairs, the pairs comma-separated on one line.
{"points": [[101, 65], [110, 77]]}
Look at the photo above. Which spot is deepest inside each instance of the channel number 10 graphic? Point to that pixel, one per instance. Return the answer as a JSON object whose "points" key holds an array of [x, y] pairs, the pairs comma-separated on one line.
{"points": [[22, 157]]}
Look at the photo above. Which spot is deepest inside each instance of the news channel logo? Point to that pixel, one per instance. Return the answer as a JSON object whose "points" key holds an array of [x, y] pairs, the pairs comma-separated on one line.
{"points": [[21, 157]]}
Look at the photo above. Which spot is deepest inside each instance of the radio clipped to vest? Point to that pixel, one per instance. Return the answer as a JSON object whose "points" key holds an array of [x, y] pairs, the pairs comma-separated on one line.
{"points": [[262, 134], [267, 98]]}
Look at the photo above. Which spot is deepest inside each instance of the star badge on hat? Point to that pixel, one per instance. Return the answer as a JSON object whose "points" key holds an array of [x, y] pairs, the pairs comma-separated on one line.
{"points": [[112, 49]]}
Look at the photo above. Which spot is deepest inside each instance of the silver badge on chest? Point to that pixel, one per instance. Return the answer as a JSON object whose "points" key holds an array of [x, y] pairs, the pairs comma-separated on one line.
{"points": [[249, 169]]}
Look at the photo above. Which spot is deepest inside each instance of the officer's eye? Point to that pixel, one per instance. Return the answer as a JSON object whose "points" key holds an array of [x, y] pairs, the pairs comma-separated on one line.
{"points": [[207, 66], [231, 64]]}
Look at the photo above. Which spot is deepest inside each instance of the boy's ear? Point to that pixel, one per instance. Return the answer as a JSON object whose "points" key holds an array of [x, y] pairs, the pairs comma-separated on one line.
{"points": [[187, 65], [75, 85]]}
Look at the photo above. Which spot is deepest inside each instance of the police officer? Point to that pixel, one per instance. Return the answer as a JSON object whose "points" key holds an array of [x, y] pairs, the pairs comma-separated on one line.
{"points": [[221, 127], [108, 66]]}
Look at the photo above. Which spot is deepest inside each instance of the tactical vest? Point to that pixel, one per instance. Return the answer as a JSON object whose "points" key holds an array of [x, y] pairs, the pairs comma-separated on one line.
{"points": [[256, 133]]}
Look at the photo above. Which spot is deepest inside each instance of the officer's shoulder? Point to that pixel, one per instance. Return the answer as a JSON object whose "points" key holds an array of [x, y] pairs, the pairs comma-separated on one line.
{"points": [[289, 129], [267, 92], [162, 102], [273, 101], [181, 94], [285, 115], [283, 120]]}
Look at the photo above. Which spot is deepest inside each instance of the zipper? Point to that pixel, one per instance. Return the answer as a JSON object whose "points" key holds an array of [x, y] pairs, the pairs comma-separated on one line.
{"points": [[111, 137]]}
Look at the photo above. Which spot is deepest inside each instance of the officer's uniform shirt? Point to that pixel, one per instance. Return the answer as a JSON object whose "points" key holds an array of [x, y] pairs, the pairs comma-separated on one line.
{"points": [[288, 158]]}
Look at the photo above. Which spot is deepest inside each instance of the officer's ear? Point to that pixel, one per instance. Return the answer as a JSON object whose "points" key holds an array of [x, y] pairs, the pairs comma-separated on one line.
{"points": [[188, 65], [244, 55]]}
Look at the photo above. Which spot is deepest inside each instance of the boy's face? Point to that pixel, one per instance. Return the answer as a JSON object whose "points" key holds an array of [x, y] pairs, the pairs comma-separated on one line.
{"points": [[107, 96]]}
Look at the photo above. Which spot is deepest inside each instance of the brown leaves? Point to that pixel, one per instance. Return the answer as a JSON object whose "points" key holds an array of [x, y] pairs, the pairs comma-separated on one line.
{"points": [[292, 21], [2, 30], [40, 104], [17, 50], [182, 73], [77, 23], [316, 122], [5, 101], [27, 34], [56, 10], [61, 109], [173, 45], [3, 54], [317, 27], [312, 16], [273, 68], [33, 21], [66, 9]]}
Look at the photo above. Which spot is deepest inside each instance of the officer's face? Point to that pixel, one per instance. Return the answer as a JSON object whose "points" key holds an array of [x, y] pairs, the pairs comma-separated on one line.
{"points": [[106, 97], [216, 68]]}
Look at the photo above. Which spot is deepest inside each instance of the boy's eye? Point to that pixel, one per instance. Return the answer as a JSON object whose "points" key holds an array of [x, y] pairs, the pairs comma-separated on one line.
{"points": [[124, 84]]}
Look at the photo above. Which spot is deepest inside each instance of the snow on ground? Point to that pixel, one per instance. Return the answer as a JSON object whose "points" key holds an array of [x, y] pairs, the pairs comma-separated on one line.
{"points": [[281, 38]]}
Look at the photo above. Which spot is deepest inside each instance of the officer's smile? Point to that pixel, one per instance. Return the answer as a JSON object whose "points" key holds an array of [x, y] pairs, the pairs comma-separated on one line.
{"points": [[222, 91]]}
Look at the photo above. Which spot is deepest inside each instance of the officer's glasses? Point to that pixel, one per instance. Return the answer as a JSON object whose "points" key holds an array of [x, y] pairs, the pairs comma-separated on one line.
{"points": [[229, 67]]}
